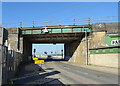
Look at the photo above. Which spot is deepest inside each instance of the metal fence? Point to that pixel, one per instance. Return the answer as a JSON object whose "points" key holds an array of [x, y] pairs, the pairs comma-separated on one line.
{"points": [[3, 64], [75, 21], [13, 62], [9, 62]]}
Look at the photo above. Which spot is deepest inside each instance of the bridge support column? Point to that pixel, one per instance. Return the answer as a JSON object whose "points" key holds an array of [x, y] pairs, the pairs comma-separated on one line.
{"points": [[75, 51], [69, 49], [27, 50]]}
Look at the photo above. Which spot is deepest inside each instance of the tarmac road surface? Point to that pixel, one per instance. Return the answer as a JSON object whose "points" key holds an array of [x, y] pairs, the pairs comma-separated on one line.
{"points": [[57, 72], [70, 74]]}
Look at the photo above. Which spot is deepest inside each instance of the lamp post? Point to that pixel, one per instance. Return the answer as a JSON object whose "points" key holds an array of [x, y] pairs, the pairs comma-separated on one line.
{"points": [[86, 46]]}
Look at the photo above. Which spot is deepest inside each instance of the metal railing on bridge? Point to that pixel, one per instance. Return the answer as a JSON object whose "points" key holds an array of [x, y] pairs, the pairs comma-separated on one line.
{"points": [[75, 21], [55, 30]]}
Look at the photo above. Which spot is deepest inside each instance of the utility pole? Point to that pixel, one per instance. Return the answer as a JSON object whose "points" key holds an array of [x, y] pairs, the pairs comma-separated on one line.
{"points": [[87, 42], [86, 46]]}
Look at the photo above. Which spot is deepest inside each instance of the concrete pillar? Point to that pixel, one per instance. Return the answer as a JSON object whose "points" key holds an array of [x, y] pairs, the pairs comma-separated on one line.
{"points": [[75, 51], [69, 49], [27, 50], [13, 39]]}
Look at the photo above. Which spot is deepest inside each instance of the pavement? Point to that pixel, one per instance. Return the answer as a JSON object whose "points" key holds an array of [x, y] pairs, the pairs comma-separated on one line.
{"points": [[62, 73]]}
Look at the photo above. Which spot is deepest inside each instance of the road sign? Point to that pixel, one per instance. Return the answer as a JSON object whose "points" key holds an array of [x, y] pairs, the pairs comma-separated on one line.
{"points": [[35, 58], [39, 61]]}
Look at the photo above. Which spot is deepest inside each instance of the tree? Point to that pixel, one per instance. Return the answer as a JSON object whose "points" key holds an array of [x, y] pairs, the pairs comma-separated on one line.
{"points": [[51, 53], [45, 52], [62, 52]]}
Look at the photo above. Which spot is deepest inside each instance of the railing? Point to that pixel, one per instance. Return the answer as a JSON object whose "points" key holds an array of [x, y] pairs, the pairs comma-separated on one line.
{"points": [[76, 21], [54, 30]]}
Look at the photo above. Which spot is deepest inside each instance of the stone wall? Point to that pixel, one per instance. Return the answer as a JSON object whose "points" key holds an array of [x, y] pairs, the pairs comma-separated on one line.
{"points": [[96, 39], [109, 27], [79, 54], [15, 52]]}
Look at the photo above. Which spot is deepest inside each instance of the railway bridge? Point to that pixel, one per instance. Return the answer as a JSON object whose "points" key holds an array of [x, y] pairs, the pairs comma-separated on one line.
{"points": [[16, 44], [70, 36]]}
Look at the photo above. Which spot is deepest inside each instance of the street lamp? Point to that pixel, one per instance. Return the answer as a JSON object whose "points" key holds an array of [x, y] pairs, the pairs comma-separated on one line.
{"points": [[86, 46]]}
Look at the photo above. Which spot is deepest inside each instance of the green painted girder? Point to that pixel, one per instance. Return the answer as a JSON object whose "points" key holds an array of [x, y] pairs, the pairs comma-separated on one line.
{"points": [[54, 30]]}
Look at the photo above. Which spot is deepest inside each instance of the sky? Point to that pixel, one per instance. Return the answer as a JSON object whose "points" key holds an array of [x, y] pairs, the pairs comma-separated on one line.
{"points": [[39, 11], [60, 0], [41, 48], [26, 12]]}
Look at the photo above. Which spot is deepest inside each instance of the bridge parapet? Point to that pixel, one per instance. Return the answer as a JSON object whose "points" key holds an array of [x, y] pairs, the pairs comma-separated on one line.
{"points": [[55, 29]]}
